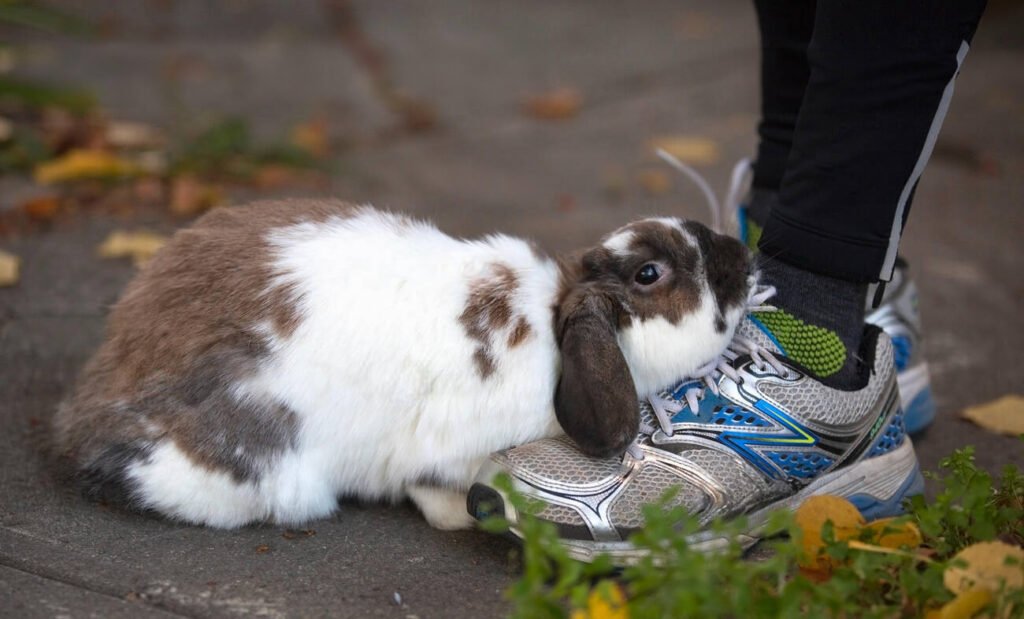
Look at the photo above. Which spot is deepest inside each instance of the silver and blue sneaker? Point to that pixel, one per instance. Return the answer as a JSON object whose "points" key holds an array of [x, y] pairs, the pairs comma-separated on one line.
{"points": [[755, 434], [898, 315]]}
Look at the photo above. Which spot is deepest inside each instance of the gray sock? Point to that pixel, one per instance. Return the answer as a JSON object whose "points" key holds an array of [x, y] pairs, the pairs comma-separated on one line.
{"points": [[832, 304]]}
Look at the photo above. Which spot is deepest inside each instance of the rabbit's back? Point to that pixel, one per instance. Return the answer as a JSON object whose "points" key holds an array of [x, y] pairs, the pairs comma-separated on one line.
{"points": [[276, 355]]}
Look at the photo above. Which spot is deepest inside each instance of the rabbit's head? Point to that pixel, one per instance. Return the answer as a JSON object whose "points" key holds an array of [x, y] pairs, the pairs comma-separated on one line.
{"points": [[655, 301]]}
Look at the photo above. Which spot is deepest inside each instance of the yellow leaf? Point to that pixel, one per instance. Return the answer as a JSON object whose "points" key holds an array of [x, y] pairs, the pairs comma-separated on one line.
{"points": [[558, 104], [890, 533], [139, 246], [84, 164], [605, 601], [966, 604], [688, 149], [986, 567], [9, 266], [811, 517], [1005, 415]]}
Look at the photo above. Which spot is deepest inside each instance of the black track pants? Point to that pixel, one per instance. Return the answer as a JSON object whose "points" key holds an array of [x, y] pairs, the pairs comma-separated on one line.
{"points": [[854, 93]]}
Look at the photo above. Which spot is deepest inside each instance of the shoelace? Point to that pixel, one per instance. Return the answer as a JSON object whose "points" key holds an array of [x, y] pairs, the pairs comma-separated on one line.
{"points": [[707, 376], [739, 180]]}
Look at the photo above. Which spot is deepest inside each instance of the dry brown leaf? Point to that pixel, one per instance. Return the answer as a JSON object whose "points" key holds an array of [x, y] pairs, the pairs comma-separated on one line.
{"points": [[694, 150], [655, 182], [9, 269], [85, 164], [41, 208], [190, 196], [140, 245], [132, 135], [6, 129], [559, 104], [986, 568], [311, 136], [262, 548], [1005, 415]]}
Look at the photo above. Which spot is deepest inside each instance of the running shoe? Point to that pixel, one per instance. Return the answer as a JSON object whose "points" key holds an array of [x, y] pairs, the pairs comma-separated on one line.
{"points": [[897, 314], [757, 433]]}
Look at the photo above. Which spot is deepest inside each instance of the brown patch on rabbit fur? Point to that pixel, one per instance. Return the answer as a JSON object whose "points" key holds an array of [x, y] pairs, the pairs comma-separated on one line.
{"points": [[489, 309], [179, 339]]}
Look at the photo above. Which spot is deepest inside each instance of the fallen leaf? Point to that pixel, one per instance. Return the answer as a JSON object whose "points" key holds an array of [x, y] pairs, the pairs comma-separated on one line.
{"points": [[892, 533], [986, 567], [84, 164], [41, 208], [965, 605], [655, 182], [262, 548], [295, 534], [605, 601], [1005, 415], [9, 266], [6, 129], [311, 136], [140, 245], [810, 518], [688, 149], [559, 104], [132, 135], [190, 196]]}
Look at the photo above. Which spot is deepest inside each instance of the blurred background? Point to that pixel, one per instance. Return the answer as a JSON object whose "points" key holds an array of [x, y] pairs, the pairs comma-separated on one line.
{"points": [[121, 120]]}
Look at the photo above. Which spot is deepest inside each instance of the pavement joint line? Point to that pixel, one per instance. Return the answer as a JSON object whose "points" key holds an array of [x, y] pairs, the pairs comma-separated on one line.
{"points": [[95, 590]]}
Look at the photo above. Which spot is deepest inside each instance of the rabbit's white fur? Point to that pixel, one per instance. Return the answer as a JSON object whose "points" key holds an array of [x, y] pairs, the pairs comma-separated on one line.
{"points": [[382, 380]]}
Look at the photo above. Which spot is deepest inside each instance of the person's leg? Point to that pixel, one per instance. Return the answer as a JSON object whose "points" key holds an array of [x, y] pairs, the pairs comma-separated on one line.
{"points": [[785, 29], [881, 78]]}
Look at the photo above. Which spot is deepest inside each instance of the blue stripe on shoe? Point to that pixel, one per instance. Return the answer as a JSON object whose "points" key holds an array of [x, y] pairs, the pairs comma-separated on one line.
{"points": [[874, 508]]}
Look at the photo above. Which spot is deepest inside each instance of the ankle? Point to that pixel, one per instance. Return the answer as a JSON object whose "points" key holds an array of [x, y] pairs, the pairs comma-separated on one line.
{"points": [[822, 318]]}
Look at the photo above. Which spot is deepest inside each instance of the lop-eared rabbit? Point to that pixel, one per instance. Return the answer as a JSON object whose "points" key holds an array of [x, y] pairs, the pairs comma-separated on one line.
{"points": [[275, 357]]}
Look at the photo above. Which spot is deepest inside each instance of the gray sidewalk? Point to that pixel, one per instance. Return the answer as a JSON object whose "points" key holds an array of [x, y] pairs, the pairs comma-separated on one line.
{"points": [[645, 69]]}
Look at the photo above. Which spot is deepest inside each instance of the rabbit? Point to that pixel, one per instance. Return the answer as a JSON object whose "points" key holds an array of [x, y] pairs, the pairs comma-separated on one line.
{"points": [[274, 357]]}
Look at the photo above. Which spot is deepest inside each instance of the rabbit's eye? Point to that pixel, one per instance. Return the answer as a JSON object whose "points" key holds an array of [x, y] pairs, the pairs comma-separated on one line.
{"points": [[648, 274]]}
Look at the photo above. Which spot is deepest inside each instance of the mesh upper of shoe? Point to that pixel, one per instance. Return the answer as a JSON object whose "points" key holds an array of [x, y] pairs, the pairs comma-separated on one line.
{"points": [[558, 458]]}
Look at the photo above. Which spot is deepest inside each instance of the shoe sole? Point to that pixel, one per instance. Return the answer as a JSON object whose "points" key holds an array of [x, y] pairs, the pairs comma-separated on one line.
{"points": [[916, 397], [876, 486]]}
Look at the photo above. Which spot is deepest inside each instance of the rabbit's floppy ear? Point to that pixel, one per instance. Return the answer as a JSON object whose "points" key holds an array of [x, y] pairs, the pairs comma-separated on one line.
{"points": [[596, 401]]}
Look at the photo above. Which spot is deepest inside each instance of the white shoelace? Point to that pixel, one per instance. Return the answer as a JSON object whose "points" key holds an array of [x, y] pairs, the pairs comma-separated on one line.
{"points": [[739, 180], [707, 377]]}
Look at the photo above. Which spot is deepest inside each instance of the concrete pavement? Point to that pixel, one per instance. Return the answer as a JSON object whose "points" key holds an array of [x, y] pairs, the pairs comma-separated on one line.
{"points": [[645, 69]]}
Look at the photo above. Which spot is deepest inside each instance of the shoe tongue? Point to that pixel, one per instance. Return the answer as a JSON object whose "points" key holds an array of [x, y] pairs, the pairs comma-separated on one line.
{"points": [[753, 329]]}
